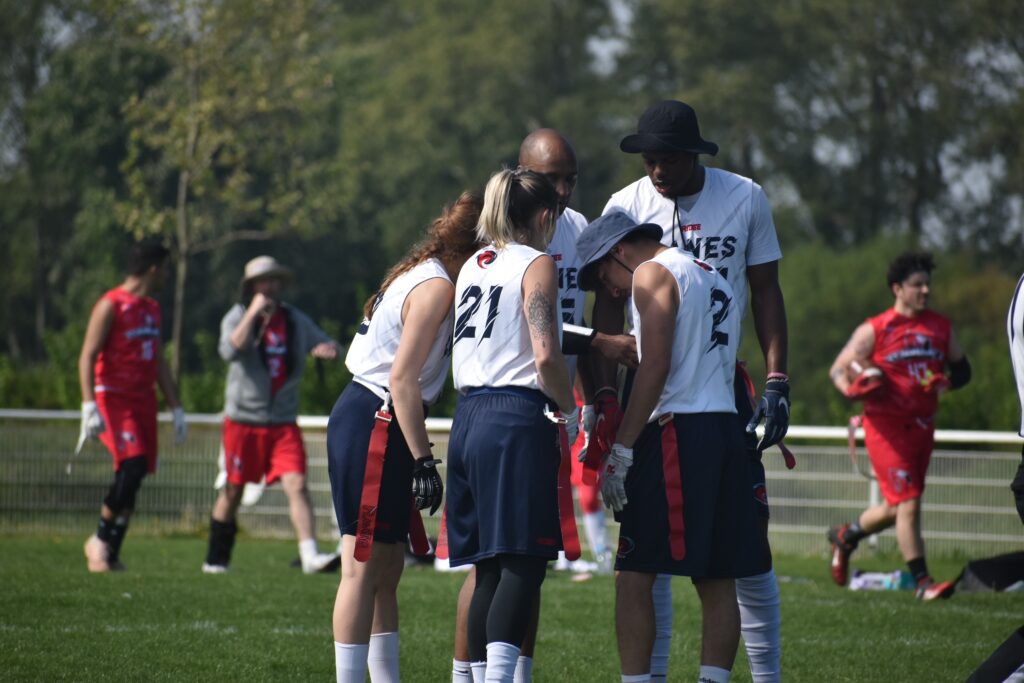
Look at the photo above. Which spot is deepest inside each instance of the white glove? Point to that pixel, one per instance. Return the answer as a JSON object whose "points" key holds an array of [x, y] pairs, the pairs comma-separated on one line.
{"points": [[180, 426], [589, 422], [572, 425], [92, 421], [613, 479]]}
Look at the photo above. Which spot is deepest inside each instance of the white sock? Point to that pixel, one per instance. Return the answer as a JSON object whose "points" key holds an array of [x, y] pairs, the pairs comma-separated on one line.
{"points": [[501, 662], [760, 625], [662, 595], [597, 536], [350, 662], [639, 678], [524, 670], [307, 550], [382, 658], [712, 674], [479, 671], [461, 673]]}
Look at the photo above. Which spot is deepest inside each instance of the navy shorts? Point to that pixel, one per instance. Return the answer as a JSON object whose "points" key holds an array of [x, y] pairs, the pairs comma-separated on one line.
{"points": [[756, 467], [721, 530], [502, 490], [348, 440]]}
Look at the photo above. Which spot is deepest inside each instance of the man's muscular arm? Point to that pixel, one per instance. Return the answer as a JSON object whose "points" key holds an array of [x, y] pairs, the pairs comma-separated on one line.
{"points": [[859, 347]]}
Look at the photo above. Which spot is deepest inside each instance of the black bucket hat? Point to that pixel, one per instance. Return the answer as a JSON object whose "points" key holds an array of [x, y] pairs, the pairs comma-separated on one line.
{"points": [[668, 126]]}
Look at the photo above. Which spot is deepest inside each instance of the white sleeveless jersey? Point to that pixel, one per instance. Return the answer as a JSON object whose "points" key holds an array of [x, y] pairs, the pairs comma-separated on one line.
{"points": [[1015, 331], [730, 226], [707, 335], [491, 339], [563, 250], [372, 352]]}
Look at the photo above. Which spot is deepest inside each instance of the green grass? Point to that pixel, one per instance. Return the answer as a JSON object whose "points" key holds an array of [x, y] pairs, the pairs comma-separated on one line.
{"points": [[164, 620]]}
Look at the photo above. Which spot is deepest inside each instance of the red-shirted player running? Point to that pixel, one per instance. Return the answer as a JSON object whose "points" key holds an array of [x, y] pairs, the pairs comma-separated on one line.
{"points": [[913, 347], [119, 364]]}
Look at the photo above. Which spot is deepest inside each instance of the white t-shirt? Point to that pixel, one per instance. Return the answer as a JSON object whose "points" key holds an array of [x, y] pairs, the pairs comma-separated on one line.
{"points": [[372, 352], [729, 224], [492, 340], [1015, 331], [707, 336], [563, 250]]}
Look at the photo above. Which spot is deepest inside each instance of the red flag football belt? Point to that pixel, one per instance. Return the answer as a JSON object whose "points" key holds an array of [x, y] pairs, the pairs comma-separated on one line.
{"points": [[673, 487], [442, 536], [566, 515], [417, 534], [371, 485]]}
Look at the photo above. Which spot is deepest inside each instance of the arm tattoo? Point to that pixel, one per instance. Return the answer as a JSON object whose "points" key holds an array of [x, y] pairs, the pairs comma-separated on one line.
{"points": [[540, 313]]}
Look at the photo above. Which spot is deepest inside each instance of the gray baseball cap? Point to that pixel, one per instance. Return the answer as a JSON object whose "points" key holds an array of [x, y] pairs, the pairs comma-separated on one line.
{"points": [[598, 238]]}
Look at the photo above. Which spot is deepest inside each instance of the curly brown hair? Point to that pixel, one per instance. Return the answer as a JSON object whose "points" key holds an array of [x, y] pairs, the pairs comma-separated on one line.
{"points": [[450, 235]]}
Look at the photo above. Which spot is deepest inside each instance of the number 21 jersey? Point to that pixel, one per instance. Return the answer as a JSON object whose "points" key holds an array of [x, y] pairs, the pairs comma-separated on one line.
{"points": [[491, 341]]}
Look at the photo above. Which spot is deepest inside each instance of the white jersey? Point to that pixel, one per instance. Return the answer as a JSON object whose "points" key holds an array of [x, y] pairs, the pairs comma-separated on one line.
{"points": [[729, 226], [492, 340], [707, 335], [563, 250], [372, 352], [1015, 331]]}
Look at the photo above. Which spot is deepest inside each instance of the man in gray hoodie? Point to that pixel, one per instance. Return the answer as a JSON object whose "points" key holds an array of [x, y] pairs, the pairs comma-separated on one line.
{"points": [[265, 343]]}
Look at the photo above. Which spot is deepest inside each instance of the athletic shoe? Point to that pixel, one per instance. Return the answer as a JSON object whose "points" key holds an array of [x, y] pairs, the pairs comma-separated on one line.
{"points": [[841, 550], [930, 590], [96, 554], [322, 563], [214, 568]]}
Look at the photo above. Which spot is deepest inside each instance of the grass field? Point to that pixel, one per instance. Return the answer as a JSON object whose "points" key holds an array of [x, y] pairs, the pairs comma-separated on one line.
{"points": [[164, 620]]}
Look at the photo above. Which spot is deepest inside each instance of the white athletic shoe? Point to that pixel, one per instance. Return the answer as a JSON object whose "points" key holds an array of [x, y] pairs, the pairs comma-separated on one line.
{"points": [[322, 562], [214, 568], [96, 555]]}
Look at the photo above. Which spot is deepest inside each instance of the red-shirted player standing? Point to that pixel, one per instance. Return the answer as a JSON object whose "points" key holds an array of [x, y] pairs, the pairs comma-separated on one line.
{"points": [[119, 364], [913, 347]]}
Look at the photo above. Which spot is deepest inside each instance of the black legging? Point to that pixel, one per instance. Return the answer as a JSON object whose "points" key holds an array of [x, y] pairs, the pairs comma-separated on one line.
{"points": [[507, 587]]}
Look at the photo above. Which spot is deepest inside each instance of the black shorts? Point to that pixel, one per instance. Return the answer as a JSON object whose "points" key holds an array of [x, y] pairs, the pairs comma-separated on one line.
{"points": [[348, 440], [721, 530], [502, 489]]}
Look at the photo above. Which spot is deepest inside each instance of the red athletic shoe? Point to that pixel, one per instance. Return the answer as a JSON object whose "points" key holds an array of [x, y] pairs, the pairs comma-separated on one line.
{"points": [[841, 550], [930, 590]]}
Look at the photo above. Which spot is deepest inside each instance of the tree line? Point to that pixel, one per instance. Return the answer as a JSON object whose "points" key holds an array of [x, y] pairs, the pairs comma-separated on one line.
{"points": [[330, 133]]}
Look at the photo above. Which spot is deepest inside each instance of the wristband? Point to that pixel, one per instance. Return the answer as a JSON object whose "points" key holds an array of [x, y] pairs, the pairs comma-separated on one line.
{"points": [[778, 376]]}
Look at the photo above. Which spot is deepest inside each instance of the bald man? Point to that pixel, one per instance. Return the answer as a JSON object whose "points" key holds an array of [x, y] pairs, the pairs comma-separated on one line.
{"points": [[548, 152]]}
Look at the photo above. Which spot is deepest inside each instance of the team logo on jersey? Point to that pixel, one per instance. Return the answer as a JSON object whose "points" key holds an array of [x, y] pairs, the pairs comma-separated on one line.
{"points": [[626, 546], [692, 227], [486, 258], [127, 437]]}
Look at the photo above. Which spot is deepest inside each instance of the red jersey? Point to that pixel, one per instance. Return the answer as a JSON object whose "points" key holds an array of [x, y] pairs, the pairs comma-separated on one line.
{"points": [[275, 348], [909, 351], [127, 362]]}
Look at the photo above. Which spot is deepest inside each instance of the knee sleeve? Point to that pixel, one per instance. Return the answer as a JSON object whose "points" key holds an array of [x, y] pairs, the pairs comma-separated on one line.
{"points": [[760, 625], [514, 598], [662, 596], [127, 481]]}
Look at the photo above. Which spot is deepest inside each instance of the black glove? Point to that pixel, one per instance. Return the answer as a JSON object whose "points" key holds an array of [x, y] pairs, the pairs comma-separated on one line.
{"points": [[427, 487], [774, 409]]}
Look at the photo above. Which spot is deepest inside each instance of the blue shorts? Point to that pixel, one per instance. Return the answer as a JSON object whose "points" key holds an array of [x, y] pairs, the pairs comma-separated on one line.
{"points": [[721, 530], [348, 440], [502, 490]]}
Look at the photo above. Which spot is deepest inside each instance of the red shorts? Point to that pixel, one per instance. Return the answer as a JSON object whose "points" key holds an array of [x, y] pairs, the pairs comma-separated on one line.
{"points": [[252, 452], [130, 421], [590, 499], [900, 449]]}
